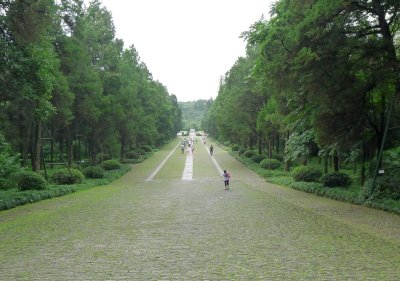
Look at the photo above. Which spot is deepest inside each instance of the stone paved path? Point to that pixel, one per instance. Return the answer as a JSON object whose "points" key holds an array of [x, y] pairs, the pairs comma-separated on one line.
{"points": [[167, 228]]}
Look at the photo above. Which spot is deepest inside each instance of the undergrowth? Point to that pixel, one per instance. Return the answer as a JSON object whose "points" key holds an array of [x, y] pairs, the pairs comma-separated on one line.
{"points": [[350, 194], [12, 198]]}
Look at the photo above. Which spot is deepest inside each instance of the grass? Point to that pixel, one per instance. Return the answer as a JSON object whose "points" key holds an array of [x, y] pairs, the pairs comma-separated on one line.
{"points": [[13, 197], [352, 194]]}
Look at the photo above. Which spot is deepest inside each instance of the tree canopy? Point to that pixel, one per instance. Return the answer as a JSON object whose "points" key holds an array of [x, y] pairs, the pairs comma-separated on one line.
{"points": [[64, 74], [319, 77]]}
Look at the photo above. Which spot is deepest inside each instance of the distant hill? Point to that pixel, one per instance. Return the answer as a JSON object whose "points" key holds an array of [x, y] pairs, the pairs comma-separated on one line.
{"points": [[192, 113]]}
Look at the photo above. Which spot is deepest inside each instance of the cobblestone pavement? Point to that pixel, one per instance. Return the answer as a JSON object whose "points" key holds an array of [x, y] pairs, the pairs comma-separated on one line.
{"points": [[170, 229]]}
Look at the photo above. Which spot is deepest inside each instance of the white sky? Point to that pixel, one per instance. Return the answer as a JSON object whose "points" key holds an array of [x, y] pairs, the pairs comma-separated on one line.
{"points": [[187, 45]]}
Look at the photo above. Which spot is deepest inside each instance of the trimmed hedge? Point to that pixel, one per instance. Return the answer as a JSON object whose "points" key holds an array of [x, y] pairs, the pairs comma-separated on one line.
{"points": [[111, 165], [93, 172], [133, 155], [146, 148], [28, 180], [336, 179], [258, 157], [275, 164], [249, 153], [65, 176], [308, 174]]}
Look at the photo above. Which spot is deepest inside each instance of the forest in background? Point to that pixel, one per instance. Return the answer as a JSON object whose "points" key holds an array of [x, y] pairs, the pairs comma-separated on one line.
{"points": [[320, 79], [193, 112], [71, 88]]}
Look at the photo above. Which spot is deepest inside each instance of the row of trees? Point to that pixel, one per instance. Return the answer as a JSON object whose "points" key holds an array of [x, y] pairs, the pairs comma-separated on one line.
{"points": [[65, 75], [192, 113], [320, 77]]}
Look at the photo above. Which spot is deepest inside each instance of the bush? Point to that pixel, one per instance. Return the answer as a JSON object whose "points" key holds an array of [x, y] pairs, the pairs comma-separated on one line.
{"points": [[111, 165], [133, 155], [93, 172], [235, 147], [308, 174], [258, 157], [242, 150], [385, 187], [336, 179], [249, 153], [102, 157], [65, 176], [27, 180], [9, 164], [146, 148], [275, 164]]}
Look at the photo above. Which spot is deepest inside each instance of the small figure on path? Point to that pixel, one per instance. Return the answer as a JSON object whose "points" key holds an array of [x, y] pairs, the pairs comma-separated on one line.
{"points": [[182, 148], [211, 150], [226, 175]]}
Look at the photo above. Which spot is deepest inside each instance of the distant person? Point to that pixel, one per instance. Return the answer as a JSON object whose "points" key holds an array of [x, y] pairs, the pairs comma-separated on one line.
{"points": [[182, 148], [211, 150], [226, 175]]}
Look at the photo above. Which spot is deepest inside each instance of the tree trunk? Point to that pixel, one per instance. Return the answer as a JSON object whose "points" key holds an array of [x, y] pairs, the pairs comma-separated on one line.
{"points": [[52, 146], [335, 161], [37, 146], [70, 151], [326, 162]]}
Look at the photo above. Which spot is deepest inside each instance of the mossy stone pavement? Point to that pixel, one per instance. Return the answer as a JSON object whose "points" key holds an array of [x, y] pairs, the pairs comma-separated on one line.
{"points": [[167, 228]]}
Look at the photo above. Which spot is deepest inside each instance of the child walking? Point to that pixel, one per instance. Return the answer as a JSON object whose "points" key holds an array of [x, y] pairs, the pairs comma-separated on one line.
{"points": [[226, 175]]}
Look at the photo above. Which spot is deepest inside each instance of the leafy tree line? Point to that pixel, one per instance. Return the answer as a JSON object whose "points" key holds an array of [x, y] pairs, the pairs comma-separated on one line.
{"points": [[192, 113], [320, 78], [64, 74]]}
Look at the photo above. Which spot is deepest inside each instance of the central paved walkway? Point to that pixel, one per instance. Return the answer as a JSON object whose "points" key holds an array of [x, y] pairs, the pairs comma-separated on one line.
{"points": [[166, 228]]}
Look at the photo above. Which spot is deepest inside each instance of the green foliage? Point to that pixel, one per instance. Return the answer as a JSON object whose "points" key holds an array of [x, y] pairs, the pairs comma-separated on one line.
{"points": [[146, 148], [9, 164], [133, 155], [249, 153], [336, 179], [13, 198], [27, 180], [111, 165], [385, 187], [102, 157], [192, 113], [308, 174], [235, 147], [258, 157], [270, 164], [67, 176], [93, 172]]}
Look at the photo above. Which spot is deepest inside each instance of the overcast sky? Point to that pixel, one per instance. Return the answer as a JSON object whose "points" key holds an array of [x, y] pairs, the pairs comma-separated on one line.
{"points": [[187, 45]]}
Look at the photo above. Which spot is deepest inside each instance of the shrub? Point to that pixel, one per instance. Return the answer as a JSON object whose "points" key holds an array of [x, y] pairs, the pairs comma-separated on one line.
{"points": [[275, 164], [146, 148], [258, 157], [249, 153], [242, 150], [27, 180], [65, 176], [111, 165], [385, 187], [235, 147], [336, 179], [304, 173], [9, 164], [93, 172], [132, 155], [102, 157]]}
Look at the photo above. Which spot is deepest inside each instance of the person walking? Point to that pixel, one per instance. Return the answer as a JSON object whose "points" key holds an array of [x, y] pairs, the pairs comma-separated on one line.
{"points": [[211, 150], [226, 175]]}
